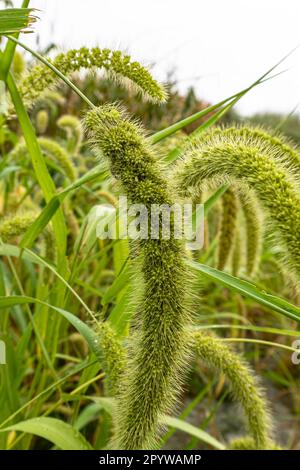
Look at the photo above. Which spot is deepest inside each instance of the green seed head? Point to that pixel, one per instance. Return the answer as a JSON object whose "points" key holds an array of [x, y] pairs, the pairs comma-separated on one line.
{"points": [[72, 126], [111, 356], [15, 225], [228, 227], [254, 229], [51, 149]]}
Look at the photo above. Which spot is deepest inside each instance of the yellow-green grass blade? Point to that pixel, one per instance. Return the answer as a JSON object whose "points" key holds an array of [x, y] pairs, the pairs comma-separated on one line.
{"points": [[13, 250], [177, 126], [177, 151], [8, 54], [110, 405], [117, 286]]}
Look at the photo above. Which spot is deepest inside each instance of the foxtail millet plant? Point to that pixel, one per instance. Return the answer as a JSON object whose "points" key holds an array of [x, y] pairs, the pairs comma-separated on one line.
{"points": [[49, 101], [219, 158], [248, 443], [244, 386], [15, 225], [18, 65], [158, 357], [108, 196]]}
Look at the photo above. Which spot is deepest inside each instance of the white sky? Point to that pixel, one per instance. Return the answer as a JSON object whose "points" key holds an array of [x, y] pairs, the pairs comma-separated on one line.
{"points": [[219, 46]]}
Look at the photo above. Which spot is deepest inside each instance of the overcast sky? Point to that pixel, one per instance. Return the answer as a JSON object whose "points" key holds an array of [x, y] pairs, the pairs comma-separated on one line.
{"points": [[219, 46]]}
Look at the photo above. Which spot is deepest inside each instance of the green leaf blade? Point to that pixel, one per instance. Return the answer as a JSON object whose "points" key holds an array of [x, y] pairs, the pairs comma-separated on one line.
{"points": [[249, 290], [61, 434]]}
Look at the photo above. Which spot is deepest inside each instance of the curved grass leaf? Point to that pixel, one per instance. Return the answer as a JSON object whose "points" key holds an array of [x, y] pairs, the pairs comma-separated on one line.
{"points": [[61, 434], [8, 170], [88, 334], [13, 250], [119, 283], [87, 415], [105, 403], [35, 258]]}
